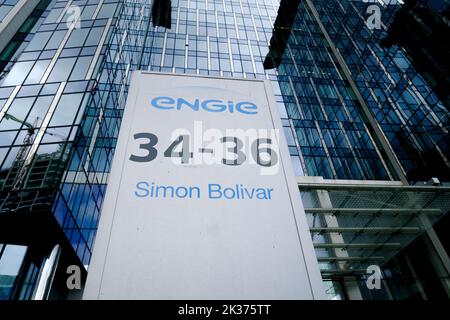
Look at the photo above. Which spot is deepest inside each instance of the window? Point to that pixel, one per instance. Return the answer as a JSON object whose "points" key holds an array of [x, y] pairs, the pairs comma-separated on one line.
{"points": [[37, 72], [94, 37], [55, 40], [39, 41], [67, 110], [16, 113], [11, 259], [81, 68], [18, 73], [77, 38], [62, 70]]}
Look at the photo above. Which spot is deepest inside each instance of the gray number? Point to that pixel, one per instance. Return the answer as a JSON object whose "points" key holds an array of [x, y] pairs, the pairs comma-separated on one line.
{"points": [[149, 147], [257, 150], [184, 154], [238, 145]]}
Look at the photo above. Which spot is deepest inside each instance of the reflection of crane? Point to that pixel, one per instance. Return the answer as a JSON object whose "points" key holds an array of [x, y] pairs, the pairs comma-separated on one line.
{"points": [[21, 155], [27, 140]]}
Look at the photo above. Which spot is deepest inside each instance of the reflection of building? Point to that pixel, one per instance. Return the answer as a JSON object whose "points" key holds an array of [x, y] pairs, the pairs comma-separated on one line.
{"points": [[422, 28], [364, 121]]}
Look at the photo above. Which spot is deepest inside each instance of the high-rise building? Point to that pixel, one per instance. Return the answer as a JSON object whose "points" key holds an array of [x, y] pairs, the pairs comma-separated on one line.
{"points": [[371, 136], [364, 126], [63, 96]]}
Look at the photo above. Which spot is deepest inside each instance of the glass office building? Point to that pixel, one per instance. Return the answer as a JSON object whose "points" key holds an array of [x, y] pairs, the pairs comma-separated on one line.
{"points": [[359, 119], [370, 131]]}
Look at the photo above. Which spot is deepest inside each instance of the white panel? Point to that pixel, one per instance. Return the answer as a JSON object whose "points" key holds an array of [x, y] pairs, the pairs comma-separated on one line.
{"points": [[200, 247]]}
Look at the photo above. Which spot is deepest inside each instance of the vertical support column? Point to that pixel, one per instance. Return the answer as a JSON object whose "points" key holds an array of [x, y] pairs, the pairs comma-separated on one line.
{"points": [[437, 254], [414, 274], [45, 281], [350, 284]]}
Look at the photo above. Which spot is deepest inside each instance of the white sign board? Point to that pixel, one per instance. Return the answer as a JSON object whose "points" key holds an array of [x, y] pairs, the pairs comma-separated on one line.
{"points": [[202, 200]]}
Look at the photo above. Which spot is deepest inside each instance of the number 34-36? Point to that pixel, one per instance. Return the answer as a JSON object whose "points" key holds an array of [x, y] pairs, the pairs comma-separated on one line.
{"points": [[262, 150]]}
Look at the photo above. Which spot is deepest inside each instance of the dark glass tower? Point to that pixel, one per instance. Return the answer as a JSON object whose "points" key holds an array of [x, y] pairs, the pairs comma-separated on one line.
{"points": [[366, 104]]}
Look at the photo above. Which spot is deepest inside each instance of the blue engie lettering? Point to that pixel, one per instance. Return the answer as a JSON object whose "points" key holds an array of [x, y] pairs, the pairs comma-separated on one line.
{"points": [[163, 102], [210, 105]]}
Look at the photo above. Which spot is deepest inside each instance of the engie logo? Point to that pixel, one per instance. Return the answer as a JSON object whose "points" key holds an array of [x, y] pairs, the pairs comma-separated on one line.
{"points": [[209, 105]]}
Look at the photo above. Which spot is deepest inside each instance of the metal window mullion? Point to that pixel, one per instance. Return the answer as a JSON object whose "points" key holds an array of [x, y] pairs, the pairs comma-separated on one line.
{"points": [[217, 22], [209, 52], [271, 22], [325, 148], [377, 150], [236, 26], [392, 245], [122, 44], [240, 4], [365, 229], [231, 54], [274, 6], [93, 140], [178, 20], [251, 55], [297, 145], [69, 3], [430, 110], [319, 98], [141, 18], [358, 258], [297, 102], [254, 27], [352, 150], [186, 51], [197, 23], [163, 54], [97, 10], [259, 9], [124, 83], [99, 50]]}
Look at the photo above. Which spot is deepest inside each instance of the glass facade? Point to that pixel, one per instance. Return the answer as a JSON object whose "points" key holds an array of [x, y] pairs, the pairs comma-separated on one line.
{"points": [[65, 85], [363, 110], [411, 115], [337, 139], [45, 96], [333, 136]]}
